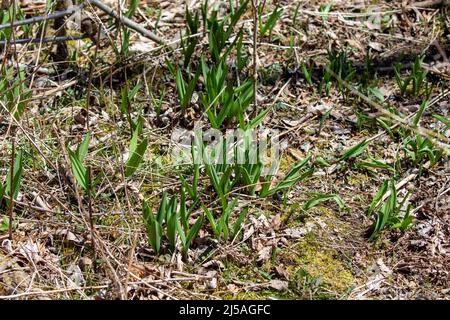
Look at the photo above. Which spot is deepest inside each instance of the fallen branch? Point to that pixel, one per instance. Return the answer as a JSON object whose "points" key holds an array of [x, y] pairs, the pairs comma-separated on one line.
{"points": [[52, 16], [98, 4], [126, 21], [43, 40], [430, 3], [405, 181]]}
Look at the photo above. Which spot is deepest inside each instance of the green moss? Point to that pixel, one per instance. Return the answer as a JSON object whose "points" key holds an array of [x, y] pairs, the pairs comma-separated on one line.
{"points": [[323, 264], [357, 179], [258, 295], [286, 163]]}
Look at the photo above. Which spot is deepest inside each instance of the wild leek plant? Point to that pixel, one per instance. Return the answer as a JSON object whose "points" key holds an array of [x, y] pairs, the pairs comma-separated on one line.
{"points": [[325, 10], [388, 212], [354, 151], [196, 153], [371, 164], [185, 88], [307, 73], [15, 91], [341, 67], [219, 32], [157, 103], [221, 226], [222, 101], [76, 161], [170, 222], [319, 198], [268, 26], [419, 150], [248, 171], [136, 150], [298, 173], [221, 179], [417, 78], [241, 55], [190, 40], [125, 103], [6, 187]]}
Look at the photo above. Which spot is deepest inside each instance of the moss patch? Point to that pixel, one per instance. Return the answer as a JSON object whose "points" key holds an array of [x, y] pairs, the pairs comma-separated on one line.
{"points": [[323, 264]]}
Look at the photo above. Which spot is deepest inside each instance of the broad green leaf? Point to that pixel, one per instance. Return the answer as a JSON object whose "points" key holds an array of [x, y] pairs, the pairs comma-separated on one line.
{"points": [[224, 219], [354, 151], [124, 101], [4, 225], [379, 195], [442, 119], [322, 162], [189, 90], [78, 170], [420, 112], [377, 93], [134, 4], [293, 176], [240, 220], [134, 91], [372, 163], [136, 158], [322, 198], [83, 147], [258, 119], [2, 192], [172, 221], [154, 230], [194, 231], [170, 66], [17, 177], [212, 221], [162, 210]]}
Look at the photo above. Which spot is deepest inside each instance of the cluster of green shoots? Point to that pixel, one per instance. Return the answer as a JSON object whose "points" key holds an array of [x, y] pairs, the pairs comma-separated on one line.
{"points": [[388, 212], [225, 100], [417, 150], [228, 181]]}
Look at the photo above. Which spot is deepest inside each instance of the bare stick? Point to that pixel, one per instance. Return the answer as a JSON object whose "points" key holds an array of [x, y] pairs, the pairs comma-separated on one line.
{"points": [[126, 21], [11, 190], [430, 3], [91, 72], [91, 221], [100, 5], [255, 68], [51, 16], [44, 40]]}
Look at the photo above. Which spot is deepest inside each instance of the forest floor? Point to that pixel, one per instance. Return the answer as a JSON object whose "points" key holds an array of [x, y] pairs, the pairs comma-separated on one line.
{"points": [[286, 250]]}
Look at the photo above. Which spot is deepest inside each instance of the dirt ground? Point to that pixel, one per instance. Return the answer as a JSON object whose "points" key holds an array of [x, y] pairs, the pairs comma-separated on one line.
{"points": [[285, 252]]}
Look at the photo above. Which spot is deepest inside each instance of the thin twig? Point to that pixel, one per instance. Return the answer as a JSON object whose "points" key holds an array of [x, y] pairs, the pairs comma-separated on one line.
{"points": [[52, 16], [43, 293], [255, 67], [44, 40], [11, 189], [429, 3], [127, 22], [91, 221], [91, 71], [28, 136]]}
